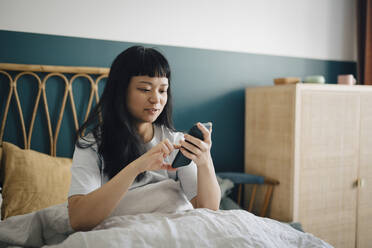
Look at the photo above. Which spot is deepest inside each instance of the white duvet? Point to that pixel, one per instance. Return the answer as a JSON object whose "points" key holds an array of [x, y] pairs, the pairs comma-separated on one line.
{"points": [[180, 227]]}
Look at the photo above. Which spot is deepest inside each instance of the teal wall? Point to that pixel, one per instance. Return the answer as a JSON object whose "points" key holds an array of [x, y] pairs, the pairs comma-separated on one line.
{"points": [[207, 85]]}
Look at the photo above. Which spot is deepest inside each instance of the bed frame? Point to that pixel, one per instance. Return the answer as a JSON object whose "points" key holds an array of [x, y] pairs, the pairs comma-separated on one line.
{"points": [[42, 74]]}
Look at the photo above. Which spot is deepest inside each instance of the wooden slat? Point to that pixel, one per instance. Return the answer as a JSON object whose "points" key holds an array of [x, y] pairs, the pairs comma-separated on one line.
{"points": [[7, 104], [267, 200], [19, 106], [253, 196], [240, 194]]}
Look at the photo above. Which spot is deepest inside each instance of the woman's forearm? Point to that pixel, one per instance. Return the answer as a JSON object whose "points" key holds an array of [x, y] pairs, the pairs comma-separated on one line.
{"points": [[209, 193], [87, 211]]}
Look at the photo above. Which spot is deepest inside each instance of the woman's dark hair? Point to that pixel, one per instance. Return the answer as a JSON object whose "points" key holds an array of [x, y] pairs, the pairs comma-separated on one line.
{"points": [[110, 121]]}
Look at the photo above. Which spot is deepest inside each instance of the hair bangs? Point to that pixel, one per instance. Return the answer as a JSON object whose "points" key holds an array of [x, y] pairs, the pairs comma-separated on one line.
{"points": [[151, 63]]}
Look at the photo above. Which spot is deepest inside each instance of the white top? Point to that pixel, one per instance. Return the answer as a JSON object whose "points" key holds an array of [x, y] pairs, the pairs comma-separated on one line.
{"points": [[87, 171]]}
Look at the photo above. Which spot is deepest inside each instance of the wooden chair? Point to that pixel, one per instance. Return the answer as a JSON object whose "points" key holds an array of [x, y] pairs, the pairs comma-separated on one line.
{"points": [[240, 179]]}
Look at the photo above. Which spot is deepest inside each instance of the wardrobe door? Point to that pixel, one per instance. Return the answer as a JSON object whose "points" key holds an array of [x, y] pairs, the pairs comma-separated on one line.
{"points": [[364, 228], [328, 165]]}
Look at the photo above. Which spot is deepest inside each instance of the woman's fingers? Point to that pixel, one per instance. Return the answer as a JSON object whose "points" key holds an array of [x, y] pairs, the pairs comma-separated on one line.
{"points": [[206, 133], [190, 147], [188, 154], [165, 147], [203, 146], [169, 145], [191, 139]]}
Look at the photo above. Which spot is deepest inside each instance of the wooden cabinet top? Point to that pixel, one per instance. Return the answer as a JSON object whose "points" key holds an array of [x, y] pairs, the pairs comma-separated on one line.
{"points": [[309, 86]]}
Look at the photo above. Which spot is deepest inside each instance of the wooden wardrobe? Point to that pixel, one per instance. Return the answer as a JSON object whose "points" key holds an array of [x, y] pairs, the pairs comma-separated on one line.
{"points": [[317, 141]]}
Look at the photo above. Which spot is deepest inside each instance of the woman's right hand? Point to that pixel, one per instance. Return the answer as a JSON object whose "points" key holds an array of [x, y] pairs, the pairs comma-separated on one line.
{"points": [[83, 211], [154, 158]]}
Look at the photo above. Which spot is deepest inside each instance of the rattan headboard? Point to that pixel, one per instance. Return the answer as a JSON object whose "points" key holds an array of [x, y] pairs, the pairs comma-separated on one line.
{"points": [[43, 74]]}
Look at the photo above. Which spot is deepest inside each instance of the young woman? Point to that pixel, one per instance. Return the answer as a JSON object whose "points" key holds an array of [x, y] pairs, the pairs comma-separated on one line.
{"points": [[131, 143]]}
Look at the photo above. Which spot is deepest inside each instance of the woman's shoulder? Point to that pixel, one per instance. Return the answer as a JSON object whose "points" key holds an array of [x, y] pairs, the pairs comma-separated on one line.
{"points": [[87, 140]]}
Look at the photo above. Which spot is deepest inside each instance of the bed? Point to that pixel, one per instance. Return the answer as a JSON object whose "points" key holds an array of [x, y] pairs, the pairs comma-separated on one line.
{"points": [[35, 177]]}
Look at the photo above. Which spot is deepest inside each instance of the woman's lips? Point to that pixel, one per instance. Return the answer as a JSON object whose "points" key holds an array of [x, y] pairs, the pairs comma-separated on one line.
{"points": [[152, 111]]}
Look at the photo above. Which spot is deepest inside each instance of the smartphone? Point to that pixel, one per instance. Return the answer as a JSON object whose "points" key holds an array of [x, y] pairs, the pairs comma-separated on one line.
{"points": [[180, 160]]}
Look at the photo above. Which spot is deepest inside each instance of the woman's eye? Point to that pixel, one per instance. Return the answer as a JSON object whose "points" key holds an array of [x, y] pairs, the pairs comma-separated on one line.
{"points": [[144, 90], [163, 91]]}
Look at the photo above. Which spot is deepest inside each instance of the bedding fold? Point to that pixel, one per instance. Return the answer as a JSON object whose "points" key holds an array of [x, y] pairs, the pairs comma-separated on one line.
{"points": [[44, 227]]}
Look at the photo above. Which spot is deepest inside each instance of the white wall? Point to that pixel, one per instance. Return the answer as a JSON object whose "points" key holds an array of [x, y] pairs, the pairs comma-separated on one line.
{"points": [[322, 29]]}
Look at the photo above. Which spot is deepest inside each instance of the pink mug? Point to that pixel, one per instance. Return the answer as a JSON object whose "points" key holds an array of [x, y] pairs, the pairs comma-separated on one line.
{"points": [[347, 79]]}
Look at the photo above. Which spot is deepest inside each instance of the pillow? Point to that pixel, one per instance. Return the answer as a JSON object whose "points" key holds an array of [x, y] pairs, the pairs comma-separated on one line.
{"points": [[32, 180]]}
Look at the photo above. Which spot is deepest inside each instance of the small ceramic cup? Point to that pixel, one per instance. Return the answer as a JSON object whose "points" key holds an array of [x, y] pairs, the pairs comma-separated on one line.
{"points": [[315, 79], [347, 79]]}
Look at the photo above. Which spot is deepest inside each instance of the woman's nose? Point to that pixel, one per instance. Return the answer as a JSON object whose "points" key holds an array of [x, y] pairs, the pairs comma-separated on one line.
{"points": [[155, 97]]}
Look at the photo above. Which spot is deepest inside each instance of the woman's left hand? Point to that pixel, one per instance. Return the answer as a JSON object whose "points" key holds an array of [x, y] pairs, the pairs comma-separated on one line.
{"points": [[197, 150]]}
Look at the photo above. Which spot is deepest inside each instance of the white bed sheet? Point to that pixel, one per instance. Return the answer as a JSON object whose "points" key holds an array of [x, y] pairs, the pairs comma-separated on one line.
{"points": [[181, 226]]}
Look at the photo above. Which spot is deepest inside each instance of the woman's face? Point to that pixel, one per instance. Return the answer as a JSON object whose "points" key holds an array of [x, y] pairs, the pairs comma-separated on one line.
{"points": [[147, 97]]}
